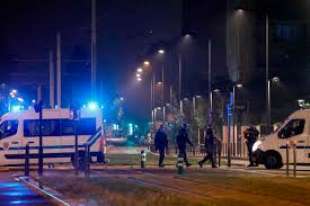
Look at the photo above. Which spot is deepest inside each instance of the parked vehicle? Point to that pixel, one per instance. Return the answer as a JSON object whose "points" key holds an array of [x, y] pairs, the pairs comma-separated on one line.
{"points": [[270, 150], [58, 130]]}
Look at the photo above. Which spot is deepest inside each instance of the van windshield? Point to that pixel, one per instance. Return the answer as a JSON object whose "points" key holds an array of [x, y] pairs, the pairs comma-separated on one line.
{"points": [[8, 128]]}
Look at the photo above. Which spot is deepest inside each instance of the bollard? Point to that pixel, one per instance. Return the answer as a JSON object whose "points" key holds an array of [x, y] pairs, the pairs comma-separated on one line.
{"points": [[294, 159], [219, 153], [143, 159], [26, 169], [180, 164], [287, 160]]}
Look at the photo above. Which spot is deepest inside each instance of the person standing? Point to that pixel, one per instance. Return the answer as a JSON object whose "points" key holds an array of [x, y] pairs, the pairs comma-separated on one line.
{"points": [[210, 148], [161, 144], [182, 140], [251, 135]]}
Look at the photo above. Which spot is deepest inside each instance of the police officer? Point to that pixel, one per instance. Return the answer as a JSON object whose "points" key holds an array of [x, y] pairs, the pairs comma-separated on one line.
{"points": [[161, 144], [210, 140], [251, 135], [182, 140]]}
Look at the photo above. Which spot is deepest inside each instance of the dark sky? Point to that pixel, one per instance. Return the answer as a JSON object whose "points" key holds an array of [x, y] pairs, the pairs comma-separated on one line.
{"points": [[126, 29]]}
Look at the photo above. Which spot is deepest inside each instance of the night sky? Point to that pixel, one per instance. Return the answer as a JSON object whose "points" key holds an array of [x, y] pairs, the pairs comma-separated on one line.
{"points": [[126, 32], [126, 29]]}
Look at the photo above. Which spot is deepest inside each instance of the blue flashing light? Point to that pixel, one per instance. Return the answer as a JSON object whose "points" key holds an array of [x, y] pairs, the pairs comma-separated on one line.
{"points": [[16, 108], [92, 106]]}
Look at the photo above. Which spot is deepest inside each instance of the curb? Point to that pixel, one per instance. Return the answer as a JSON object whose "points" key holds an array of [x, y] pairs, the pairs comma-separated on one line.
{"points": [[46, 191]]}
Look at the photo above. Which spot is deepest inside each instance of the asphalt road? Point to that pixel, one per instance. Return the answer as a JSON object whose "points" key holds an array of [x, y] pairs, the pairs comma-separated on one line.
{"points": [[15, 193]]}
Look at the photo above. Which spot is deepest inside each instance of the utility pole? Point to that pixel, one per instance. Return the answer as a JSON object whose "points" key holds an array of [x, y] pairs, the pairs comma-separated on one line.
{"points": [[210, 81], [163, 84], [51, 80], [180, 83], [152, 93], [38, 109], [267, 74], [58, 64], [170, 94], [93, 49], [180, 76]]}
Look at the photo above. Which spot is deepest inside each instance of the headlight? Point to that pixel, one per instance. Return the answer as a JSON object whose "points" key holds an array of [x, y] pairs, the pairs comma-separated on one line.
{"points": [[256, 145]]}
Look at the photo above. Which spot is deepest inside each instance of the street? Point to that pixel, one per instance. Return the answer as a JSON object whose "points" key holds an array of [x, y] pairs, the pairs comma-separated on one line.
{"points": [[16, 193]]}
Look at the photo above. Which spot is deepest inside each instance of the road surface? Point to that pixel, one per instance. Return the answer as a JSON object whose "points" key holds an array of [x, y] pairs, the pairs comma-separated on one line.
{"points": [[15, 193]]}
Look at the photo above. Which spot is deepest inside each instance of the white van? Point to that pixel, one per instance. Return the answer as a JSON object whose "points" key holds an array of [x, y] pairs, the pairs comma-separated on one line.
{"points": [[270, 150], [58, 131]]}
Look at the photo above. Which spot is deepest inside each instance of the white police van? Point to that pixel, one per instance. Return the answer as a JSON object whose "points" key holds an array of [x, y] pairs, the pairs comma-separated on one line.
{"points": [[270, 150], [58, 130]]}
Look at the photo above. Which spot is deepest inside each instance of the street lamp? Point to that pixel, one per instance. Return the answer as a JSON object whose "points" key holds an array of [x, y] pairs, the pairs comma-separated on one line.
{"points": [[216, 90], [139, 70], [139, 79], [239, 11], [233, 100], [161, 51], [146, 63], [138, 75], [275, 80], [301, 103]]}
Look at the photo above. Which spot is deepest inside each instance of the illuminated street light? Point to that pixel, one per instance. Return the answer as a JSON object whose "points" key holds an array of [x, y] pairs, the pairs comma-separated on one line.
{"points": [[240, 11], [216, 90], [275, 79], [139, 79], [301, 103], [146, 63], [239, 85], [138, 75], [161, 51], [20, 99], [139, 70], [159, 83], [13, 93]]}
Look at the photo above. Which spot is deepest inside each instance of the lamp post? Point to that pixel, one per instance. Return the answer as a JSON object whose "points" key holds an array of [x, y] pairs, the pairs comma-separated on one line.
{"points": [[267, 74], [269, 82], [233, 102]]}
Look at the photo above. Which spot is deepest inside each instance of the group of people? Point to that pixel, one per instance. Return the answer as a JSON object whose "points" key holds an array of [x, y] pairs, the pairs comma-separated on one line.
{"points": [[182, 139]]}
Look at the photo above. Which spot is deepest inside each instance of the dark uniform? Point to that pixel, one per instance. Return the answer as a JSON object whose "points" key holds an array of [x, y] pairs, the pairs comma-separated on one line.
{"points": [[161, 144], [210, 144], [251, 135], [182, 140]]}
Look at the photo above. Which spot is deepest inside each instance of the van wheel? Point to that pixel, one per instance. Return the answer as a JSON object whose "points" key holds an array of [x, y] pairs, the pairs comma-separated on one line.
{"points": [[273, 160]]}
